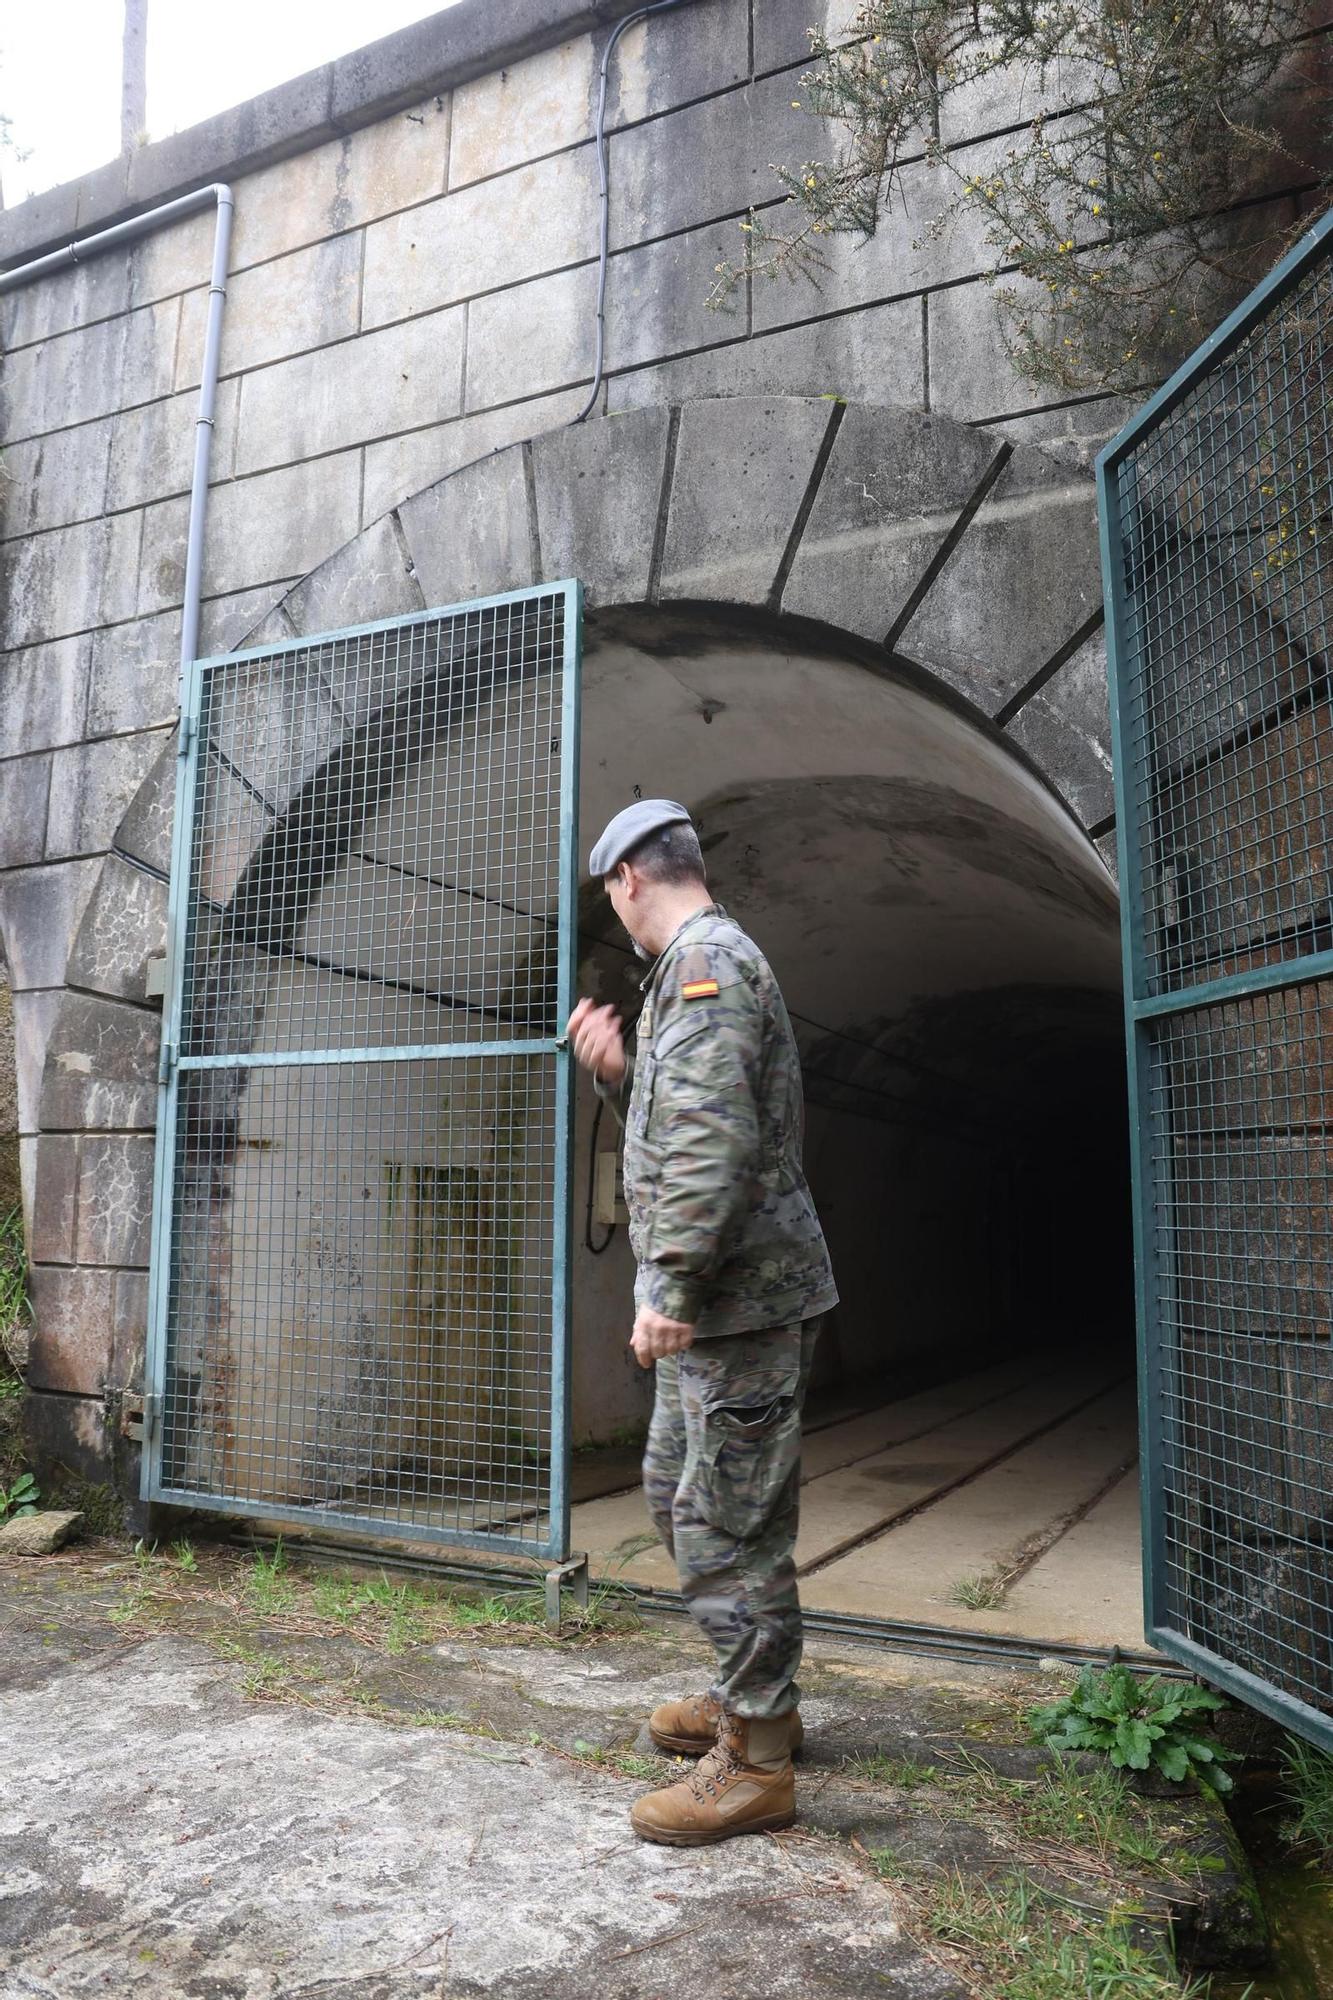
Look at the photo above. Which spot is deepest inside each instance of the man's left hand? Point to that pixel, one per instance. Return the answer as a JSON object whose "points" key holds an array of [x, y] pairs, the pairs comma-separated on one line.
{"points": [[655, 1336]]}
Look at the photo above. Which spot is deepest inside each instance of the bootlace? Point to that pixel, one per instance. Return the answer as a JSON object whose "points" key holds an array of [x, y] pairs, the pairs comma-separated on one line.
{"points": [[720, 1765]]}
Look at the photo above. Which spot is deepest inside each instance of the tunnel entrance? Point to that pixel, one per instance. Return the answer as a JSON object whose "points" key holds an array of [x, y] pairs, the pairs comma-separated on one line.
{"points": [[947, 941]]}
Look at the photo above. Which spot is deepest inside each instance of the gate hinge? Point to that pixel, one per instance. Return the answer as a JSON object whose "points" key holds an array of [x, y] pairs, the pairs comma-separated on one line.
{"points": [[166, 1062], [186, 736], [139, 1418]]}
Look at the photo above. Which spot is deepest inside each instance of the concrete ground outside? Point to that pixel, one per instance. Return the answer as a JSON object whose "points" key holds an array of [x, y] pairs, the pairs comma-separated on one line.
{"points": [[229, 1781]]}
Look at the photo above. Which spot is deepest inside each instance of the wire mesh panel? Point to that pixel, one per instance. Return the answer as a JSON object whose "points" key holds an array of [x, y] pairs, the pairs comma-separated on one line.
{"points": [[1217, 523], [359, 1287]]}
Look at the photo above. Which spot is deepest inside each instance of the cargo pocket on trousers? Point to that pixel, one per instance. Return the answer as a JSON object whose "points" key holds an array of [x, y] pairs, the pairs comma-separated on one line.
{"points": [[748, 1458]]}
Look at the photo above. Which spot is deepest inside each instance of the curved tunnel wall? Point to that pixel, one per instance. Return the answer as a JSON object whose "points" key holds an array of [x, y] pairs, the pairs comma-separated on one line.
{"points": [[948, 945], [842, 529]]}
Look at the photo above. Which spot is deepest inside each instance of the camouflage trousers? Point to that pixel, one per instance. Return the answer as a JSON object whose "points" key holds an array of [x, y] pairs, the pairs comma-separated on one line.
{"points": [[722, 1477]]}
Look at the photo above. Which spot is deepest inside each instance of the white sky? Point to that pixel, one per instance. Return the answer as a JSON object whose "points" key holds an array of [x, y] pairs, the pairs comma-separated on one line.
{"points": [[60, 68]]}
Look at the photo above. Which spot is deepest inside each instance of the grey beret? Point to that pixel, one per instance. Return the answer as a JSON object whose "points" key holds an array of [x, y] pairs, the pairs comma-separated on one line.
{"points": [[631, 826]]}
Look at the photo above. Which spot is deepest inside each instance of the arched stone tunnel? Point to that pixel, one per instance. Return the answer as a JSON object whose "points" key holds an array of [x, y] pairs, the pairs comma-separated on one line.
{"points": [[860, 645], [948, 947]]}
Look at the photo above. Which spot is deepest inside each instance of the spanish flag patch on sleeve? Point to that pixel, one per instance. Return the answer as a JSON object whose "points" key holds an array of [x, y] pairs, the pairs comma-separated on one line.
{"points": [[698, 989]]}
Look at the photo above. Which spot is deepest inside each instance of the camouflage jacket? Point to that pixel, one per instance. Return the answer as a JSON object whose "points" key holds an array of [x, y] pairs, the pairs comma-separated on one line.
{"points": [[721, 1221]]}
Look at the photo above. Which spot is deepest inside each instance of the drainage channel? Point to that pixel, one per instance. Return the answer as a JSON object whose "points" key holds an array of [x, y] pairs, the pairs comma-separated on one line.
{"points": [[895, 1634]]}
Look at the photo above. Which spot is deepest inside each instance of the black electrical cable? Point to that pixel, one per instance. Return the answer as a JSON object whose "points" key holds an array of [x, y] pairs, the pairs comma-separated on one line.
{"points": [[596, 1248], [599, 371]]}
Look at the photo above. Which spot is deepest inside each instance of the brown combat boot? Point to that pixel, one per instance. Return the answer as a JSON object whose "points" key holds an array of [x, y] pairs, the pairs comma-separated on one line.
{"points": [[689, 1728], [744, 1785]]}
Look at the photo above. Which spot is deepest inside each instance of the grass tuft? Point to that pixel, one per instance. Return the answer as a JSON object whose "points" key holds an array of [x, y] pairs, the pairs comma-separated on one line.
{"points": [[13, 1344], [1307, 1790], [900, 1774], [1023, 1948], [268, 1586], [1091, 1809], [978, 1593], [14, 1310]]}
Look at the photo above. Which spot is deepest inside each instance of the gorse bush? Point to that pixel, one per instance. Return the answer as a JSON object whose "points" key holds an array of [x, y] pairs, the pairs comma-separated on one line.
{"points": [[1103, 220], [1139, 1725]]}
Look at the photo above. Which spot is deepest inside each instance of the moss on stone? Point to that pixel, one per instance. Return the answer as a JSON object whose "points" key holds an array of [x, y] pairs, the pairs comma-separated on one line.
{"points": [[103, 1509]]}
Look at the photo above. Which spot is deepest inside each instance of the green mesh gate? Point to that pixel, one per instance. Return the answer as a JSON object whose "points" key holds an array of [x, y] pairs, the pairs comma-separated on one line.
{"points": [[359, 1310], [1217, 522]]}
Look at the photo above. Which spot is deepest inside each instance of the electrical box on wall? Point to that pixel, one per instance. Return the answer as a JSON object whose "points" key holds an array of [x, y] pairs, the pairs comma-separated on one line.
{"points": [[608, 1198]]}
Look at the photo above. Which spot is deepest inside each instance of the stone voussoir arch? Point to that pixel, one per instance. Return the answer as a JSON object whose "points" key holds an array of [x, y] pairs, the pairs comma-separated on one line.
{"points": [[942, 547]]}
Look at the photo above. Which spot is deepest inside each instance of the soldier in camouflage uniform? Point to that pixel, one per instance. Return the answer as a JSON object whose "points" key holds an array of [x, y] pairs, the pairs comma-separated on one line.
{"points": [[733, 1276]]}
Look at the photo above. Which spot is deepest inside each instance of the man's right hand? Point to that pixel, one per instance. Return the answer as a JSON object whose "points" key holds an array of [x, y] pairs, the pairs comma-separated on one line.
{"points": [[594, 1033]]}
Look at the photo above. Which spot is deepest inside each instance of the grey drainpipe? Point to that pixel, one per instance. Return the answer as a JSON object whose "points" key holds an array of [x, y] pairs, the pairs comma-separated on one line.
{"points": [[128, 232]]}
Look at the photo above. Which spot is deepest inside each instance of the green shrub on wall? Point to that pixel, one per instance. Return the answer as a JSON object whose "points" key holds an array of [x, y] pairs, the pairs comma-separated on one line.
{"points": [[14, 1310], [1118, 225]]}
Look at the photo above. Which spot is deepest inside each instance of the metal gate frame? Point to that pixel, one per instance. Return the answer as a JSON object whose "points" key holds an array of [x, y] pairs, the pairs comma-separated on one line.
{"points": [[1145, 1008], [173, 1064]]}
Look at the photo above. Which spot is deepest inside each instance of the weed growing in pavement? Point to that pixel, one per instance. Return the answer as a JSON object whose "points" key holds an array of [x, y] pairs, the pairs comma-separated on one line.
{"points": [[901, 1774], [1021, 1946], [268, 1585], [269, 1675], [631, 1765], [1139, 1724], [128, 1609], [1307, 1789], [388, 1615], [978, 1593], [523, 1608], [1088, 1809], [408, 1613], [401, 1611], [627, 1762], [1061, 1816]]}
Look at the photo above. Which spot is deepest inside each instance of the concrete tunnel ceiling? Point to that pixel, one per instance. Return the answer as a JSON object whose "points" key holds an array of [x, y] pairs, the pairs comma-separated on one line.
{"points": [[881, 847]]}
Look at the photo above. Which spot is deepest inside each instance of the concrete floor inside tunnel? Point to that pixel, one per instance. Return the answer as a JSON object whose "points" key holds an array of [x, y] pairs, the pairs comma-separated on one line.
{"points": [[947, 942], [1017, 1483]]}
